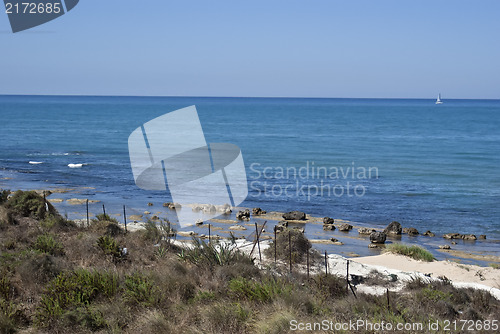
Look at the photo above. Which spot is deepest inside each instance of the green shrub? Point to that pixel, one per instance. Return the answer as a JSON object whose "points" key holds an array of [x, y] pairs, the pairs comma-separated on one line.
{"points": [[104, 217], [157, 232], [11, 316], [56, 222], [415, 252], [330, 286], [46, 243], [213, 254], [300, 246], [109, 246], [30, 204], [4, 195], [264, 291], [226, 318], [71, 290], [140, 289]]}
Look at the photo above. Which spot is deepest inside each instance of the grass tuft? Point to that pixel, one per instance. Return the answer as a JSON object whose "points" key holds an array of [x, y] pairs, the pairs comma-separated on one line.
{"points": [[415, 252], [46, 243]]}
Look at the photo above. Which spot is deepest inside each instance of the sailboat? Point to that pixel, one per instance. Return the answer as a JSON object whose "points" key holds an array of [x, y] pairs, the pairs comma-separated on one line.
{"points": [[438, 101]]}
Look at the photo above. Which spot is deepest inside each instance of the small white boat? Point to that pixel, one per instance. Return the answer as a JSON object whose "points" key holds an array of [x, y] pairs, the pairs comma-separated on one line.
{"points": [[75, 165], [438, 101], [35, 162]]}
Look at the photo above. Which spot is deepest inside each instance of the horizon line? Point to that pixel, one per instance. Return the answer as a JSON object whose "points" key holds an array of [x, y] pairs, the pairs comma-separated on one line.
{"points": [[249, 97]]}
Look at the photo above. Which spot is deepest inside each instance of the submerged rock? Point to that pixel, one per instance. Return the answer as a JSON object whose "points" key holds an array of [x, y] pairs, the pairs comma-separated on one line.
{"points": [[482, 237], [365, 230], [429, 234], [411, 231], [393, 228], [444, 247], [452, 236], [345, 227], [294, 215], [328, 227], [469, 237]]}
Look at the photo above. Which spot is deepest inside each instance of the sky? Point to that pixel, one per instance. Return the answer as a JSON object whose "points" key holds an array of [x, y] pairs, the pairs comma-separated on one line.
{"points": [[271, 48]]}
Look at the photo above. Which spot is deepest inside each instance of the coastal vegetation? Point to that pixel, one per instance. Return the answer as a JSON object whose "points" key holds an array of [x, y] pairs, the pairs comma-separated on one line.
{"points": [[415, 252], [57, 276]]}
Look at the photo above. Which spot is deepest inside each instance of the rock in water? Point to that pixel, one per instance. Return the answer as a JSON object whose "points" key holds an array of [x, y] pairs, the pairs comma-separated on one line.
{"points": [[452, 236], [365, 230], [469, 237], [243, 215], [378, 237], [444, 247], [393, 228], [294, 215], [429, 234], [345, 227], [411, 231], [328, 220], [258, 212], [328, 227]]}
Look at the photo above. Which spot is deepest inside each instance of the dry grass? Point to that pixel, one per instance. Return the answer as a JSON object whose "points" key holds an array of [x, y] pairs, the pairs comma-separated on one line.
{"points": [[86, 290]]}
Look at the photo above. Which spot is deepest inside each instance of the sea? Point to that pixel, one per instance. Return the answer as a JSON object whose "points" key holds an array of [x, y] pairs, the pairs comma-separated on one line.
{"points": [[368, 161]]}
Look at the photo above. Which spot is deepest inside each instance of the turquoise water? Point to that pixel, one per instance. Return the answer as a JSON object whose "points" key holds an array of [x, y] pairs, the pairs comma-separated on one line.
{"points": [[433, 166]]}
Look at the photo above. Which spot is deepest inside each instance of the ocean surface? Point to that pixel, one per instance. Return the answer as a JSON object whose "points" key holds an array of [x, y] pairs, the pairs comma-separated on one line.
{"points": [[370, 161]]}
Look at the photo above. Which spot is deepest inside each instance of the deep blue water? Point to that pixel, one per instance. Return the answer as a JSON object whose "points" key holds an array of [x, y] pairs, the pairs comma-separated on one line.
{"points": [[436, 165]]}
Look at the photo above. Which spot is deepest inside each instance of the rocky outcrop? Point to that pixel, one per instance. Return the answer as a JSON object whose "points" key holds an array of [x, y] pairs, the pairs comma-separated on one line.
{"points": [[258, 212], [411, 231], [328, 220], [469, 237], [294, 215], [150, 204], [345, 227], [393, 228], [365, 230], [378, 237], [172, 206], [243, 215], [444, 247]]}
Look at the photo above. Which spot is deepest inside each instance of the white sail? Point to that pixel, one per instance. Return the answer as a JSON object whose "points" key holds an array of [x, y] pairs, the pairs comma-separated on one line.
{"points": [[438, 101]]}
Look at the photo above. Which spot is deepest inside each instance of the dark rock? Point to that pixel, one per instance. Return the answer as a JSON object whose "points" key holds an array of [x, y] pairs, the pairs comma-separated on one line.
{"points": [[243, 215], [345, 227], [155, 218], [452, 236], [429, 234], [150, 204], [453, 243], [411, 231], [469, 237], [328, 220], [482, 237], [365, 230], [294, 215], [328, 227], [258, 212], [334, 240], [173, 206], [199, 222], [393, 228], [444, 247], [378, 237]]}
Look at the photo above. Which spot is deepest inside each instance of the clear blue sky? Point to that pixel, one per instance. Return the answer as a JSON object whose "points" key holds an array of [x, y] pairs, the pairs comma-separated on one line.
{"points": [[307, 48]]}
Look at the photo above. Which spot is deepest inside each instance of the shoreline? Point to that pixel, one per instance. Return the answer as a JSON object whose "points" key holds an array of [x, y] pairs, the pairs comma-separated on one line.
{"points": [[71, 201]]}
